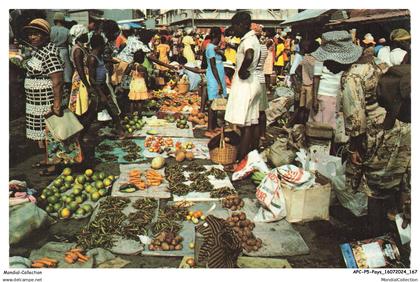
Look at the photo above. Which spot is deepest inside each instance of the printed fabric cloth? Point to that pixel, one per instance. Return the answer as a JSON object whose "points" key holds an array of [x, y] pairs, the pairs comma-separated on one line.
{"points": [[39, 88], [387, 153], [221, 247]]}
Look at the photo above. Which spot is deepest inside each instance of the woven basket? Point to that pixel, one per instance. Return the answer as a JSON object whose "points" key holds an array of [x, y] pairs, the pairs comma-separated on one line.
{"points": [[224, 154], [183, 88]]}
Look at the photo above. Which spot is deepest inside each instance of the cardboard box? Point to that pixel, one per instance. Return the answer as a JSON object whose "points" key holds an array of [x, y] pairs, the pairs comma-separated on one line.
{"points": [[309, 204]]}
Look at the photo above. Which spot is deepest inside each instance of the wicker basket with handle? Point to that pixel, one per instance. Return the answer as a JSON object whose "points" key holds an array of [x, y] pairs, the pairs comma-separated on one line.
{"points": [[224, 154]]}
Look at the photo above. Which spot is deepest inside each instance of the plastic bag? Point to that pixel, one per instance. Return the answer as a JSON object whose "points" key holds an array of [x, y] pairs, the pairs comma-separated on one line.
{"points": [[356, 202], [24, 219], [332, 168], [271, 197], [253, 161]]}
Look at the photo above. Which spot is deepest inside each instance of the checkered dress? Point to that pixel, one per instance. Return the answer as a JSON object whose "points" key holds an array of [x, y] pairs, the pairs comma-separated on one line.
{"points": [[39, 89]]}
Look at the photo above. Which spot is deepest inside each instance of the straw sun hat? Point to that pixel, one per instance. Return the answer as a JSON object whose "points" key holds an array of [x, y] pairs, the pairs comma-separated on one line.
{"points": [[38, 24], [338, 46]]}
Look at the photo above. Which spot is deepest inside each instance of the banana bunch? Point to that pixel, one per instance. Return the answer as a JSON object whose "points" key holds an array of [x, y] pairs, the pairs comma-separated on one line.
{"points": [[257, 177]]}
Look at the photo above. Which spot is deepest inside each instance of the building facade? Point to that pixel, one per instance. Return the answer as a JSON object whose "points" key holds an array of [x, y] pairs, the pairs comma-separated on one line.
{"points": [[207, 18]]}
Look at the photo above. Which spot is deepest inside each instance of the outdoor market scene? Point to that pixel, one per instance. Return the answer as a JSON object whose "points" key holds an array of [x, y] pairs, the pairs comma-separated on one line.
{"points": [[188, 138]]}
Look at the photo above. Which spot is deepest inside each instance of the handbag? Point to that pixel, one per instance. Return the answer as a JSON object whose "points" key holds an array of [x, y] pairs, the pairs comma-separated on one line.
{"points": [[64, 127], [219, 104]]}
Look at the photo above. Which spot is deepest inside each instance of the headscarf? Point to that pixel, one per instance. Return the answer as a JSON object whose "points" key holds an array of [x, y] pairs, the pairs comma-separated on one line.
{"points": [[76, 31]]}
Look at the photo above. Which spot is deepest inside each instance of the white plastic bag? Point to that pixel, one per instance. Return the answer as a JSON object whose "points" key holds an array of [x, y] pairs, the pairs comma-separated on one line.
{"points": [[331, 167], [271, 198], [253, 161], [104, 116]]}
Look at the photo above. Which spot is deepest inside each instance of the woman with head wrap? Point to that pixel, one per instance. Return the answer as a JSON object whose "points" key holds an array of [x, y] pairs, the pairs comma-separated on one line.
{"points": [[188, 41], [44, 91], [79, 100], [81, 88]]}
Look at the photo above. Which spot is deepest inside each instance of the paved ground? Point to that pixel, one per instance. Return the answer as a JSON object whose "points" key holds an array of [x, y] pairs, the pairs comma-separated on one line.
{"points": [[322, 237]]}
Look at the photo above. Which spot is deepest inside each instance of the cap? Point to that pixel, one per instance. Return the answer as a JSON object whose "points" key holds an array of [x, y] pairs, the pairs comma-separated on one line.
{"points": [[59, 16]]}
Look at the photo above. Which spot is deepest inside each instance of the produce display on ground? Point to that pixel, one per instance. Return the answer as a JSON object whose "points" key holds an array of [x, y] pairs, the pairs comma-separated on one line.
{"points": [[194, 182], [165, 128], [141, 180], [242, 226], [133, 122], [121, 151], [116, 219], [180, 103], [73, 195], [167, 146], [170, 232]]}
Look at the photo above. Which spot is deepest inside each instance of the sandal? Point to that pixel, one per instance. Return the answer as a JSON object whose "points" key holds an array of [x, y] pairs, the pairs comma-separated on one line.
{"points": [[39, 164], [210, 134], [47, 172]]}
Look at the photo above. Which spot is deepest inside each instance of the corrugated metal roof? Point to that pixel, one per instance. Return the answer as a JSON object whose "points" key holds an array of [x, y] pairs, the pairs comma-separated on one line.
{"points": [[372, 15], [305, 15]]}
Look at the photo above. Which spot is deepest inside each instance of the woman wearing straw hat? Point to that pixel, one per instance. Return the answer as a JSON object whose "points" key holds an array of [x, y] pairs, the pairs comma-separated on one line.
{"points": [[44, 90], [379, 156]]}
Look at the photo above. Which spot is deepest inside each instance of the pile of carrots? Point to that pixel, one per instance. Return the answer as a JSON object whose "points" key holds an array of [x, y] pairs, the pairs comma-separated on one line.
{"points": [[153, 178], [44, 263], [75, 255], [134, 177]]}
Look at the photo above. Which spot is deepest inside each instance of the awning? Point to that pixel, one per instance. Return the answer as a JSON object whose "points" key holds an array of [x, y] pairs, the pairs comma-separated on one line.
{"points": [[130, 21], [372, 15], [304, 16], [133, 23]]}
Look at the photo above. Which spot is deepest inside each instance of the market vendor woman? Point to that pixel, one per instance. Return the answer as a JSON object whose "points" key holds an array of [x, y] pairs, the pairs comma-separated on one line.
{"points": [[44, 90], [215, 74], [379, 152]]}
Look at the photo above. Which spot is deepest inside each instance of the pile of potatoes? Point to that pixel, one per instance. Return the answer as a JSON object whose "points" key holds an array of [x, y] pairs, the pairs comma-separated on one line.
{"points": [[243, 230], [233, 202], [166, 241]]}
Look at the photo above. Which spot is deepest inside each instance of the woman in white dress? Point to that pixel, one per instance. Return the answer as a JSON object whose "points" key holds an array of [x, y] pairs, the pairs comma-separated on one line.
{"points": [[243, 103]]}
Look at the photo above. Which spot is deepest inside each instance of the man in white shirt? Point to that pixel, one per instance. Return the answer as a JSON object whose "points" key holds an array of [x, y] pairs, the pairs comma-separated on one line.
{"points": [[242, 108]]}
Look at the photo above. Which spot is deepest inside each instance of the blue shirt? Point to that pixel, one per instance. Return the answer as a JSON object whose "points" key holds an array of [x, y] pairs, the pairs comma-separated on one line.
{"points": [[212, 85], [377, 48]]}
